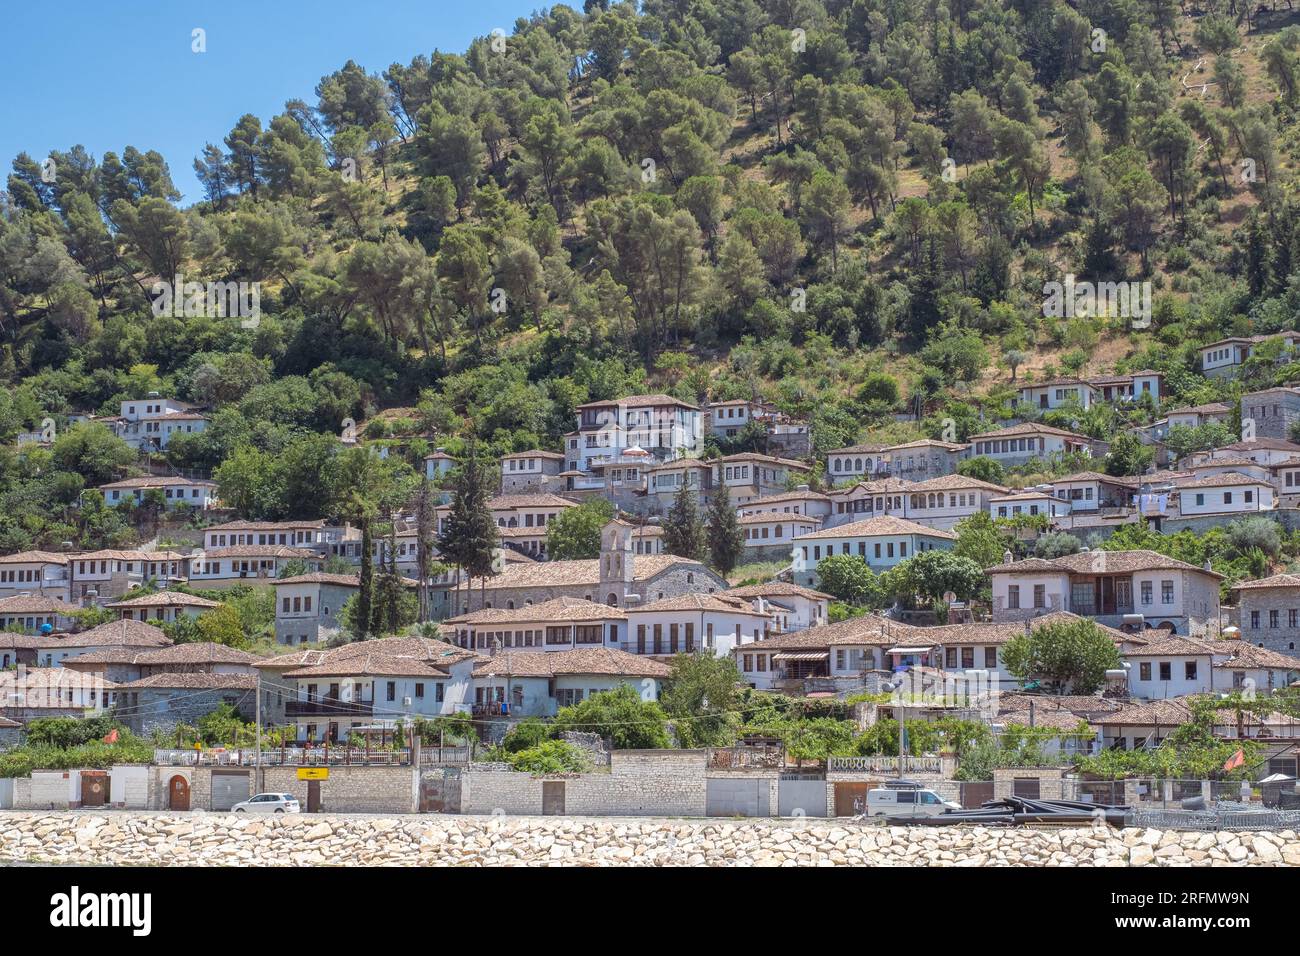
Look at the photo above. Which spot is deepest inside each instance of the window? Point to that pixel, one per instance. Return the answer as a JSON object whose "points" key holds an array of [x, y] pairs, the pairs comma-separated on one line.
{"points": [[1166, 592], [967, 657], [392, 690], [1040, 595], [1013, 597], [1189, 670], [990, 657], [1254, 620], [1166, 670], [950, 657], [1272, 618]]}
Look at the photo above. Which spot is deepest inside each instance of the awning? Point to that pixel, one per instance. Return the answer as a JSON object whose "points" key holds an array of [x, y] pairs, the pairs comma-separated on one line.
{"points": [[910, 650], [802, 656]]}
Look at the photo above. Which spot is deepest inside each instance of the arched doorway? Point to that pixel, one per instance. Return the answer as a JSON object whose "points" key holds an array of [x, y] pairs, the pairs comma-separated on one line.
{"points": [[178, 793]]}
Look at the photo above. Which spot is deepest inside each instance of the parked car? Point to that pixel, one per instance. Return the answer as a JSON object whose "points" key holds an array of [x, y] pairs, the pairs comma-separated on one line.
{"points": [[269, 803], [907, 800]]}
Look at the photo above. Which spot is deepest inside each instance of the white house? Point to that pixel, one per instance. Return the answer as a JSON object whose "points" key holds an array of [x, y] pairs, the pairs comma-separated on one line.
{"points": [[811, 504], [692, 622], [175, 492], [1093, 491], [531, 471], [437, 465], [110, 574], [31, 614], [943, 502], [163, 606], [1028, 503], [773, 532], [924, 458], [789, 606], [882, 542], [1129, 589], [1226, 356], [1194, 416], [248, 564], [853, 462], [1026, 442], [749, 476], [526, 683], [35, 574], [664, 426], [371, 683], [1224, 494], [151, 422], [1177, 667]]}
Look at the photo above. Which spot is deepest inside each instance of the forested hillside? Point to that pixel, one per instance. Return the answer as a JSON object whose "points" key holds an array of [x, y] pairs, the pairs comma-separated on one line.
{"points": [[849, 207]]}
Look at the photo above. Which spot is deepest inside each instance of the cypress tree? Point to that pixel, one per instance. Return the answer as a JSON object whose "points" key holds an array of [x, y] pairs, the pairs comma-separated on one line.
{"points": [[683, 533], [725, 538], [365, 594]]}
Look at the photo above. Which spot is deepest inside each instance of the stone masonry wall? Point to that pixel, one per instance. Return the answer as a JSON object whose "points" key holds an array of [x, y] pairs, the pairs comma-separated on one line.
{"points": [[351, 789], [127, 838]]}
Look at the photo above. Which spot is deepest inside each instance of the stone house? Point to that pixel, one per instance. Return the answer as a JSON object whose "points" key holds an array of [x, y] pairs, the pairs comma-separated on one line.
{"points": [[1268, 611], [162, 701], [854, 462], [307, 606], [531, 471], [1270, 412], [750, 476]]}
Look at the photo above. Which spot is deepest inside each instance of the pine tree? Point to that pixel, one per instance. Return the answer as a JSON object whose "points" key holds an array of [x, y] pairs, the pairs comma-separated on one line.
{"points": [[424, 545], [683, 532], [725, 538], [386, 613]]}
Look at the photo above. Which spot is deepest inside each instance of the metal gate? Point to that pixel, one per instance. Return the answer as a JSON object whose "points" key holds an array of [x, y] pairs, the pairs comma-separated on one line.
{"points": [[851, 798], [552, 798], [1026, 787], [228, 788], [976, 793], [440, 792], [801, 795], [739, 797]]}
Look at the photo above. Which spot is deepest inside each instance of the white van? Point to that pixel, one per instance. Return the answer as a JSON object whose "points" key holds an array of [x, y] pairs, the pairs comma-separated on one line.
{"points": [[904, 801]]}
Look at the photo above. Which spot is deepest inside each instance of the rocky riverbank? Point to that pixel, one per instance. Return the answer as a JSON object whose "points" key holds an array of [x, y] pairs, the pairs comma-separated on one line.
{"points": [[150, 839]]}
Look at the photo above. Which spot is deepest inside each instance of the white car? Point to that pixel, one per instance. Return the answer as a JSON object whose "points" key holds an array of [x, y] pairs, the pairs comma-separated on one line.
{"points": [[269, 803], [907, 801]]}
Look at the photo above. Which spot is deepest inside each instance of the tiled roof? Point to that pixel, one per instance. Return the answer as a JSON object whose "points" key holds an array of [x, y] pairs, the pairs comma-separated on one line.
{"points": [[507, 502], [640, 401], [157, 482], [34, 557], [22, 604], [880, 525], [779, 589], [1105, 562], [314, 523], [129, 556], [998, 632], [869, 448], [1074, 704], [198, 652], [261, 551], [1093, 476], [1030, 428], [767, 517], [604, 661], [535, 453], [557, 609], [1260, 444], [1230, 480], [763, 459], [339, 580], [387, 656], [1246, 655], [1170, 712], [49, 677], [166, 599], [724, 602], [1273, 581], [192, 680], [126, 633], [1175, 646], [954, 483], [786, 496], [581, 571], [869, 629], [1210, 408], [928, 443]]}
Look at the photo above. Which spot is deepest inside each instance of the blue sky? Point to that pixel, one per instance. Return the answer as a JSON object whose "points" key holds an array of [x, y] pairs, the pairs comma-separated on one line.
{"points": [[108, 75]]}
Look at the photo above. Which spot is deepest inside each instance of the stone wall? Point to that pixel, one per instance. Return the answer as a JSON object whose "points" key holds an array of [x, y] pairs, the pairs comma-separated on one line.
{"points": [[164, 708], [638, 783], [126, 838], [351, 789], [1049, 779]]}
